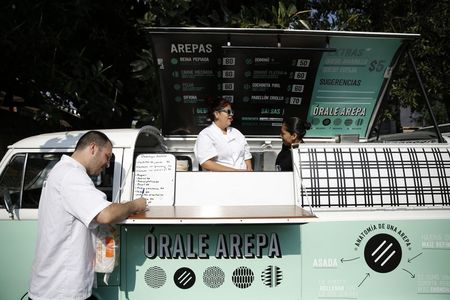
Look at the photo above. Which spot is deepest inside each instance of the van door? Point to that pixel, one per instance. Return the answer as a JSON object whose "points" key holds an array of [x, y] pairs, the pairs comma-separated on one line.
{"points": [[21, 183], [21, 180]]}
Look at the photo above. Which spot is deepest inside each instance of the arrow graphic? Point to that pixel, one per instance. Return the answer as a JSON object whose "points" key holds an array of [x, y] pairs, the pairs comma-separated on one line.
{"points": [[345, 260], [367, 275], [410, 259], [412, 275]]}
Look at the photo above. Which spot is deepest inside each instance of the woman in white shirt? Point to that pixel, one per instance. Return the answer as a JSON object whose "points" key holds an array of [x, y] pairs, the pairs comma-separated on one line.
{"points": [[220, 147]]}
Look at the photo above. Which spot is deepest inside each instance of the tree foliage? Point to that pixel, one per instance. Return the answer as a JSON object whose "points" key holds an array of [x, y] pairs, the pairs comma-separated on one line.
{"points": [[63, 54], [427, 18], [91, 60]]}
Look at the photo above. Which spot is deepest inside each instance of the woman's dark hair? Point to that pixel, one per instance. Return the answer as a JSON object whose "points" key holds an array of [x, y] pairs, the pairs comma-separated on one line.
{"points": [[296, 125], [215, 105]]}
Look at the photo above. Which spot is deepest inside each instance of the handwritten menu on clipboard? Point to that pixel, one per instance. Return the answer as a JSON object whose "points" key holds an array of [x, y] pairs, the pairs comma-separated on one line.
{"points": [[154, 178]]}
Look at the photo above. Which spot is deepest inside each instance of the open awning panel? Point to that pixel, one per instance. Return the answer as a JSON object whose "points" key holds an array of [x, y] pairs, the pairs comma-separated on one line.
{"points": [[335, 80], [350, 84]]}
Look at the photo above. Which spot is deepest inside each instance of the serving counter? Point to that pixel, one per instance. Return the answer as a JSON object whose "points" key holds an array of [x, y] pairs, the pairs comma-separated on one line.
{"points": [[263, 214]]}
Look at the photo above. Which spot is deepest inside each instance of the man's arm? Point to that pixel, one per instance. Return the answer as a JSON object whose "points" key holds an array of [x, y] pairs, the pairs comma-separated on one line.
{"points": [[211, 165], [248, 164], [116, 212]]}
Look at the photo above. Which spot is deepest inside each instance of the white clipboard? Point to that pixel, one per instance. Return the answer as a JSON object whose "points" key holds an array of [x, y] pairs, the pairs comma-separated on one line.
{"points": [[154, 178]]}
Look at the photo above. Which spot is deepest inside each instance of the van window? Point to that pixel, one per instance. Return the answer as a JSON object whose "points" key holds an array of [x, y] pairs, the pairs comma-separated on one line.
{"points": [[25, 175], [10, 181], [38, 165], [104, 181]]}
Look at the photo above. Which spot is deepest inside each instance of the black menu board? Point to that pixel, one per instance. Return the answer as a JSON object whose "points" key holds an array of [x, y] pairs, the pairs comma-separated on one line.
{"points": [[266, 77], [270, 85], [188, 73]]}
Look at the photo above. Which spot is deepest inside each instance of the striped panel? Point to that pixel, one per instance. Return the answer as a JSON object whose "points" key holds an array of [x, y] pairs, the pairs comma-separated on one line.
{"points": [[374, 176]]}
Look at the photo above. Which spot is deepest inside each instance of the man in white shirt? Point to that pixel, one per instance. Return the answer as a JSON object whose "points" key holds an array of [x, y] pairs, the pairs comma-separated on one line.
{"points": [[69, 208]]}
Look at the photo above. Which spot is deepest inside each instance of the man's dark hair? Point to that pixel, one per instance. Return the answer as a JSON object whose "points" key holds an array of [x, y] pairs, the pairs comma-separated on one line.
{"points": [[93, 136]]}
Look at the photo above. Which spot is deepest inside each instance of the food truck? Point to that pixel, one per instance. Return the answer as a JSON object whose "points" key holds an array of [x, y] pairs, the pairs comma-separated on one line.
{"points": [[361, 216]]}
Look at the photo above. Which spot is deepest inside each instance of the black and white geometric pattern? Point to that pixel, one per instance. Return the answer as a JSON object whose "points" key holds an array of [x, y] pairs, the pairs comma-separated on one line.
{"points": [[243, 277], [213, 277], [272, 276], [155, 277], [368, 176]]}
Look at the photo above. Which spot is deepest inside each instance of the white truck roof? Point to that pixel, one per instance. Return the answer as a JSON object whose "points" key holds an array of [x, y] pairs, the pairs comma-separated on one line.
{"points": [[125, 138]]}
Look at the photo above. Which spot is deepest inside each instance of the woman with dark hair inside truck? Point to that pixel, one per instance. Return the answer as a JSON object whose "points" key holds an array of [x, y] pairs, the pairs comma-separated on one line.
{"points": [[220, 147], [292, 132]]}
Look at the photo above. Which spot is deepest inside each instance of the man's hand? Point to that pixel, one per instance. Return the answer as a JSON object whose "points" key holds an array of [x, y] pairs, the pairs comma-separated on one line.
{"points": [[117, 212], [141, 204]]}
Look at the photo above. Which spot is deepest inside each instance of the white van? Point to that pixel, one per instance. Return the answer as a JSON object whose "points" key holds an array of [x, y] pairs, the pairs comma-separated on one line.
{"points": [[358, 218]]}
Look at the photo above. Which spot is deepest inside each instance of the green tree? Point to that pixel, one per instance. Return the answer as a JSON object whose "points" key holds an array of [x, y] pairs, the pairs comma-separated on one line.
{"points": [[57, 52], [222, 13], [96, 54], [429, 19]]}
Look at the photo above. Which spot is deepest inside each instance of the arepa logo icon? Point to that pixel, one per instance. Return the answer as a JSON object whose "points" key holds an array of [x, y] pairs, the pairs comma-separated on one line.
{"points": [[383, 253], [184, 278]]}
